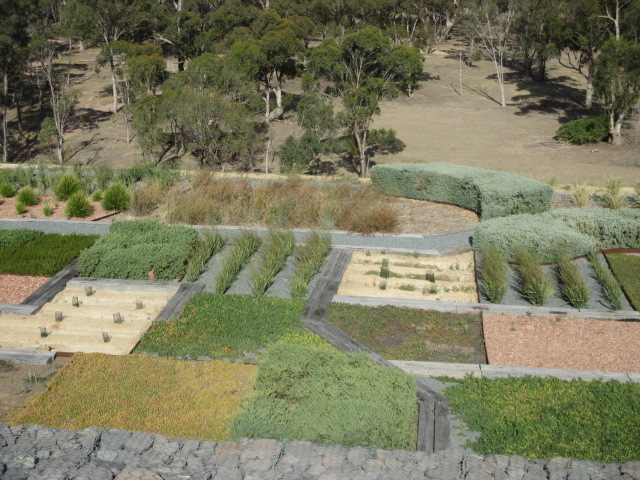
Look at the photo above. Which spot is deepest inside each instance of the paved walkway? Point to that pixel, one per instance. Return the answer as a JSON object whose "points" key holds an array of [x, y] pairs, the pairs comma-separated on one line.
{"points": [[407, 242], [30, 453]]}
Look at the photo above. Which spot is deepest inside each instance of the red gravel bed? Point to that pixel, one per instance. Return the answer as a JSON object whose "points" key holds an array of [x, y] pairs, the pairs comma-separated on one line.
{"points": [[564, 343], [8, 209], [16, 288]]}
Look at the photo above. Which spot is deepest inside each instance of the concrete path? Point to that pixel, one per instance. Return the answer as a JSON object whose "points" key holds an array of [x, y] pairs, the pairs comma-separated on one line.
{"points": [[41, 453]]}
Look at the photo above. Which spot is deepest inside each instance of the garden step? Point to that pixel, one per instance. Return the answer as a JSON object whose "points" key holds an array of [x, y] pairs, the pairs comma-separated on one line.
{"points": [[87, 320], [29, 356], [88, 342], [100, 311]]}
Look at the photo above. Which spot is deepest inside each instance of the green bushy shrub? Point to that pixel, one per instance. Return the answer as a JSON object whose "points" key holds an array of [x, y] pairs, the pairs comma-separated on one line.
{"points": [[116, 197], [27, 196], [78, 206], [132, 249], [44, 254], [586, 130], [577, 231], [488, 193], [21, 208], [7, 190], [17, 237], [67, 186], [325, 396]]}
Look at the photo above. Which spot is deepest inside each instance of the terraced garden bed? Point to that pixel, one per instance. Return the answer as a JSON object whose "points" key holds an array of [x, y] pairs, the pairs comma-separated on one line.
{"points": [[626, 268]]}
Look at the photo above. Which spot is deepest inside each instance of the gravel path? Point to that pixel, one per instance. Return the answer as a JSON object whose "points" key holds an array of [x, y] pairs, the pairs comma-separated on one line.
{"points": [[16, 288], [565, 343], [33, 452]]}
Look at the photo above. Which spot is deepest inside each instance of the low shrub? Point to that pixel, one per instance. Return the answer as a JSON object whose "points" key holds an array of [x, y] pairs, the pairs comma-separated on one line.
{"points": [[44, 254], [132, 175], [488, 193], [492, 273], [67, 186], [577, 231], [155, 395], [272, 258], [325, 396], [626, 268], [205, 248], [224, 326], [535, 284], [27, 196], [309, 259], [116, 197], [7, 190], [17, 237], [21, 208], [572, 286], [243, 246], [547, 417], [132, 249], [608, 283], [586, 130], [78, 206]]}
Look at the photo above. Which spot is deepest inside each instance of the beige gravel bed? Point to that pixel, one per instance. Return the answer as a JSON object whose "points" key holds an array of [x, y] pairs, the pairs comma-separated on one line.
{"points": [[565, 343], [16, 288]]}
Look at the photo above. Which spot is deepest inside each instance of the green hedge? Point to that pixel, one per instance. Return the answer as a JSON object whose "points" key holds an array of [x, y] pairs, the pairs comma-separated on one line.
{"points": [[488, 193], [46, 254], [325, 396], [132, 249], [12, 237], [576, 230]]}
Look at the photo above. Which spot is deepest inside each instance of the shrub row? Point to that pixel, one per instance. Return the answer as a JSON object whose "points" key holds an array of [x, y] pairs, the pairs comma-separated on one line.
{"points": [[132, 249], [45, 254], [577, 231], [325, 396], [488, 193]]}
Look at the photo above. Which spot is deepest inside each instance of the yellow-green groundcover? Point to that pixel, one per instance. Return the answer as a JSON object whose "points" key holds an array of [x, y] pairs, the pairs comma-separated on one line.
{"points": [[136, 392]]}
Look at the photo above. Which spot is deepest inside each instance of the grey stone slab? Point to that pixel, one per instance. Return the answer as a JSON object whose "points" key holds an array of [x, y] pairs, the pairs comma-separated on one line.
{"points": [[634, 377], [18, 309], [438, 369], [33, 357], [498, 371]]}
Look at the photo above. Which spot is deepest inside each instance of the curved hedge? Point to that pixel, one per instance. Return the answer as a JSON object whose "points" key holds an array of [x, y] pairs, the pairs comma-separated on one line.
{"points": [[576, 230], [488, 193]]}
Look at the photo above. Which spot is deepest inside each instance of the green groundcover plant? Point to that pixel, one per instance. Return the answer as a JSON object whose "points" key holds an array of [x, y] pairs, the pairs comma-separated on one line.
{"points": [[547, 417], [627, 270], [325, 396]]}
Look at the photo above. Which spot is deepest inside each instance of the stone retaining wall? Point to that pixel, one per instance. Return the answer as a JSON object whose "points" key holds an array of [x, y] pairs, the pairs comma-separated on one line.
{"points": [[33, 452]]}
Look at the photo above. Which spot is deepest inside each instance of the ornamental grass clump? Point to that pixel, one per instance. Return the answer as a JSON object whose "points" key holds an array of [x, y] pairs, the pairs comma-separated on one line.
{"points": [[206, 247], [580, 195], [78, 206], [613, 198], [493, 273], [535, 284], [572, 286], [309, 259], [116, 197], [273, 257], [28, 196], [610, 286], [67, 186], [243, 246], [7, 190]]}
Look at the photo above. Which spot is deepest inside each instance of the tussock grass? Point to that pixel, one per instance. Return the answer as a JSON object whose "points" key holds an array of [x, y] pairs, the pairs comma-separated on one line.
{"points": [[535, 284], [580, 195], [243, 246], [572, 285], [309, 259], [493, 273], [273, 256], [613, 198], [609, 284], [204, 249]]}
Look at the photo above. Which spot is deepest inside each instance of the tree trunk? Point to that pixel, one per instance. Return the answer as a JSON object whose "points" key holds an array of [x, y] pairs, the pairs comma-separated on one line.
{"points": [[267, 101], [361, 140], [277, 113], [5, 98], [588, 102], [59, 149], [500, 76], [616, 130], [114, 86]]}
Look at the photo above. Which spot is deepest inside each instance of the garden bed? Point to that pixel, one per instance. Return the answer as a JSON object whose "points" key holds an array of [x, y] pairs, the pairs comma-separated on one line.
{"points": [[449, 278], [140, 393], [626, 268], [563, 343], [412, 334], [17, 288], [58, 208]]}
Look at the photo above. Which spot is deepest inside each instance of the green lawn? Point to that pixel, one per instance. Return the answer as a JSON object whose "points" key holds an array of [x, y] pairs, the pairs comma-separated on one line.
{"points": [[626, 268], [224, 326], [547, 417], [401, 333]]}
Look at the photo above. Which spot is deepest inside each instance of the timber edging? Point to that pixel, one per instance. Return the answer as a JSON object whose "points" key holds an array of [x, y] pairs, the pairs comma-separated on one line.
{"points": [[55, 285], [433, 408]]}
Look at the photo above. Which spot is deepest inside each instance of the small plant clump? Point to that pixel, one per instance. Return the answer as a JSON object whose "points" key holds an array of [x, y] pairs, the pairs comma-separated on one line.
{"points": [[78, 206], [21, 208], [243, 246], [273, 256], [572, 285], [28, 196], [536, 287], [580, 195], [67, 186], [7, 190], [493, 273], [384, 268], [116, 197], [206, 247], [613, 198], [309, 259]]}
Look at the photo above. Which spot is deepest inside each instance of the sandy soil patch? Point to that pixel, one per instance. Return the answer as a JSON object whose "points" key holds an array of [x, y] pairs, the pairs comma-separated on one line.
{"points": [[411, 277], [8, 209], [16, 288], [565, 343]]}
